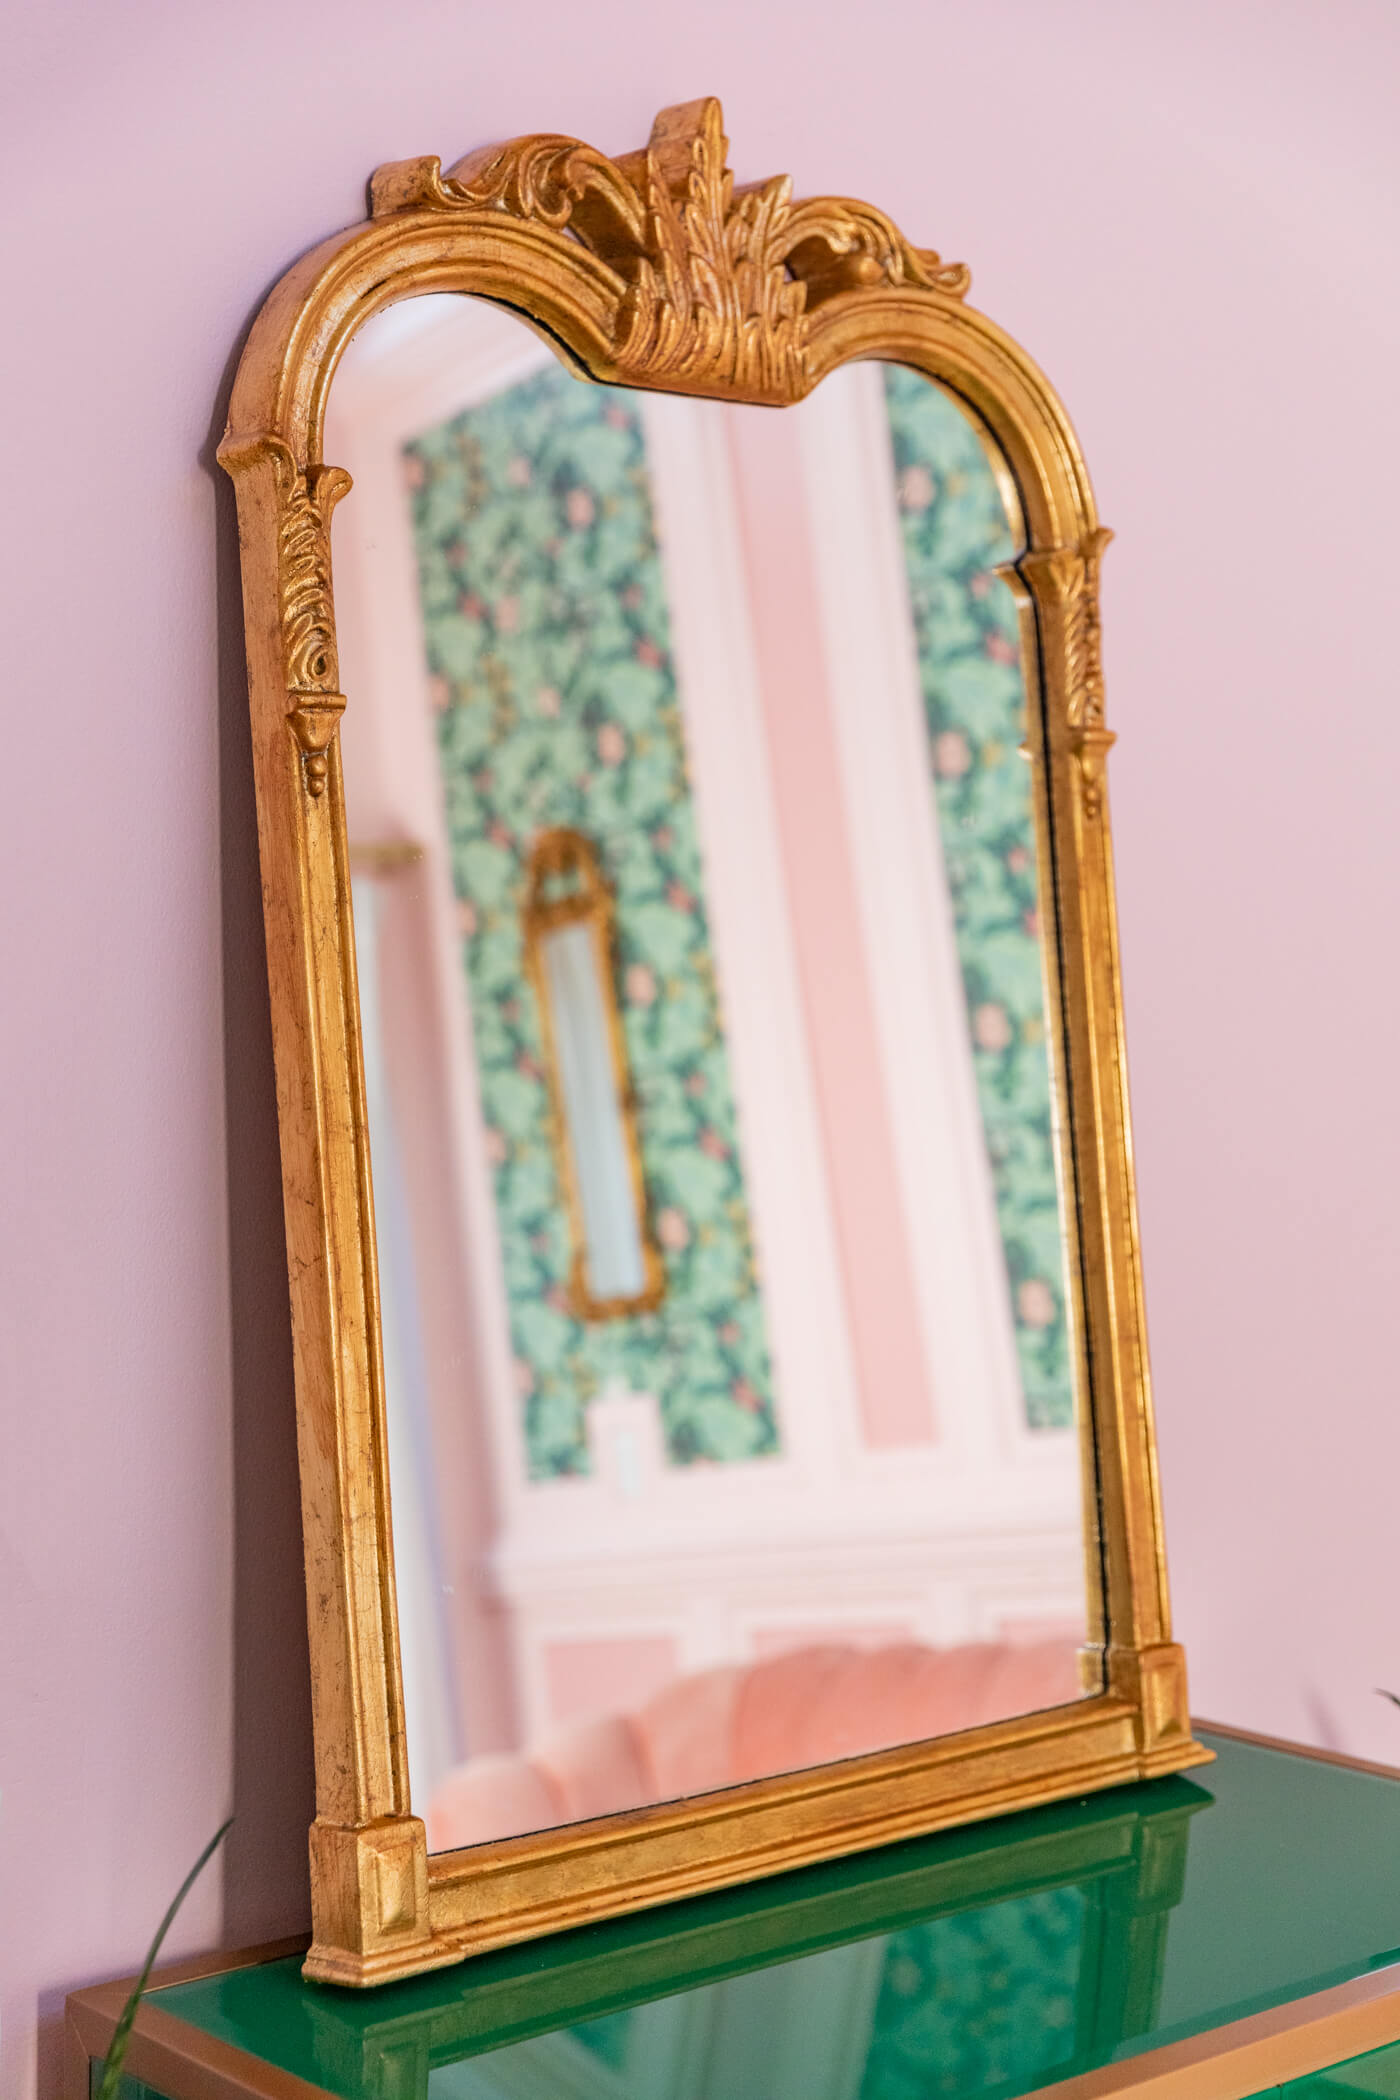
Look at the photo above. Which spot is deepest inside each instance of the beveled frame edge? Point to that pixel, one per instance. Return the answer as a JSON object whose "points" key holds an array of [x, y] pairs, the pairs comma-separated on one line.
{"points": [[592, 907], [654, 271], [1233, 2062], [165, 2048], [1256, 1741]]}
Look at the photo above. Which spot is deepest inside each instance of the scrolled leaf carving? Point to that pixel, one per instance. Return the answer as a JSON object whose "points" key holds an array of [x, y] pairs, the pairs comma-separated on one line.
{"points": [[557, 182], [716, 284], [1066, 582], [306, 499], [711, 302], [1089, 698], [835, 246]]}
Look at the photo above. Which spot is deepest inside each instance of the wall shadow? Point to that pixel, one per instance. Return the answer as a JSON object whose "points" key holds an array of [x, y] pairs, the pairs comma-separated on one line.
{"points": [[265, 1870]]}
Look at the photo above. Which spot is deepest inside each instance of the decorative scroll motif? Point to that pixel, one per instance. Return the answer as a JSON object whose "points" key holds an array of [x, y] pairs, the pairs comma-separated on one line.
{"points": [[1089, 738], [716, 284], [308, 616], [314, 724], [1068, 578]]}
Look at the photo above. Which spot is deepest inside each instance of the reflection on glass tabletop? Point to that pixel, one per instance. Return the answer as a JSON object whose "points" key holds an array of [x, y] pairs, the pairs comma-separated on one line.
{"points": [[984, 1962]]}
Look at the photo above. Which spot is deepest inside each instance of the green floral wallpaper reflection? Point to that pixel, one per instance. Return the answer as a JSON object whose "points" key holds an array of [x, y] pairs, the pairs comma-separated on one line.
{"points": [[548, 646], [982, 2003], [955, 532]]}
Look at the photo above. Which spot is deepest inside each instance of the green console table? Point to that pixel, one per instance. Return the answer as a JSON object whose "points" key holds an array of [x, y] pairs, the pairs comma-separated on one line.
{"points": [[1201, 1939]]}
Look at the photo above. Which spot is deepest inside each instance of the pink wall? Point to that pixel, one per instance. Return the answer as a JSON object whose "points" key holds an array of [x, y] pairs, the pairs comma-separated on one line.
{"points": [[1190, 215]]}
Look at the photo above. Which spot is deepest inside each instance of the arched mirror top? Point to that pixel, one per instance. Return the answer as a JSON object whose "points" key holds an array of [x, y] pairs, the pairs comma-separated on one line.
{"points": [[657, 270]]}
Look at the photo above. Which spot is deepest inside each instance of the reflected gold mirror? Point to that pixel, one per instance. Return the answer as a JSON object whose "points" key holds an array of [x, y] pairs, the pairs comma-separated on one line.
{"points": [[723, 1409], [615, 1268]]}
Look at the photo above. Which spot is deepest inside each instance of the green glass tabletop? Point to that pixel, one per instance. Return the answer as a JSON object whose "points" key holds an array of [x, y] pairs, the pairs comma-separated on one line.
{"points": [[1375, 2076], [1363, 2077], [971, 1965]]}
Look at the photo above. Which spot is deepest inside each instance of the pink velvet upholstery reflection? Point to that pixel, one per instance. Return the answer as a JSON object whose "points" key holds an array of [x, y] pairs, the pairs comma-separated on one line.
{"points": [[747, 1721], [495, 1794]]}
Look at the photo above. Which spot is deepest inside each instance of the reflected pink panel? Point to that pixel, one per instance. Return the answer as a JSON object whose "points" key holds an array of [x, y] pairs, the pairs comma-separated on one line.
{"points": [[588, 1679]]}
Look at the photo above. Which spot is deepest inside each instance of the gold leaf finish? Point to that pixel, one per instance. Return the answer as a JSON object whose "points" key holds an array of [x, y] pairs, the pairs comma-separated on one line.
{"points": [[712, 302], [304, 499], [1069, 582], [658, 270], [718, 284], [308, 616], [304, 558]]}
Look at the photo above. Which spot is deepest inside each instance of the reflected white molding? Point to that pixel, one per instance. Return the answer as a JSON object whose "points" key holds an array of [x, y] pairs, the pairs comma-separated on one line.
{"points": [[907, 920], [750, 914], [432, 1703], [409, 373]]}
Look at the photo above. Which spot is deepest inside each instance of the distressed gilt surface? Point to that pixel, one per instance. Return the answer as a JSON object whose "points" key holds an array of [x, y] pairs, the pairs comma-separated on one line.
{"points": [[657, 270]]}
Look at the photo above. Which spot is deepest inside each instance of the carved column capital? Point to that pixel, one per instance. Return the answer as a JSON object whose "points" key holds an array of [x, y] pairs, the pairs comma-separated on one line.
{"points": [[314, 721], [1064, 581]]}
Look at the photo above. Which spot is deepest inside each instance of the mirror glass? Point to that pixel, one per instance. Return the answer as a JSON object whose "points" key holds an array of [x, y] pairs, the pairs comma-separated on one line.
{"points": [[710, 1067], [577, 1009]]}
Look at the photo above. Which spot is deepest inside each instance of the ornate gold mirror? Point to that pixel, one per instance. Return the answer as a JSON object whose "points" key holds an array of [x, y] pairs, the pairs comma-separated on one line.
{"points": [[709, 1196]]}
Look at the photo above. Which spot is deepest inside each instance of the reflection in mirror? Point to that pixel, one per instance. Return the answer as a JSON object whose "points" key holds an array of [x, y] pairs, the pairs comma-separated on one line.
{"points": [[615, 1269], [729, 1347]]}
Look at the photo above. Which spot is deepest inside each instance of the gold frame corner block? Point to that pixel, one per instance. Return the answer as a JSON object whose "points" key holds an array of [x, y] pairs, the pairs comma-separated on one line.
{"points": [[656, 271]]}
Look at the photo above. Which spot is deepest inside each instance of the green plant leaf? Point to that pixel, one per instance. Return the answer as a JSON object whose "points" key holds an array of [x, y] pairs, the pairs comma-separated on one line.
{"points": [[121, 2036]]}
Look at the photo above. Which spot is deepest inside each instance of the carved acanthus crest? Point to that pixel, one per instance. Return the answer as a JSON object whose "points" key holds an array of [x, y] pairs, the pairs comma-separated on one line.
{"points": [[716, 284], [1066, 580]]}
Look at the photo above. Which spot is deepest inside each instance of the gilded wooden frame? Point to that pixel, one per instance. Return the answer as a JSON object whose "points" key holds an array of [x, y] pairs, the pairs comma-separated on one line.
{"points": [[556, 853], [655, 271]]}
